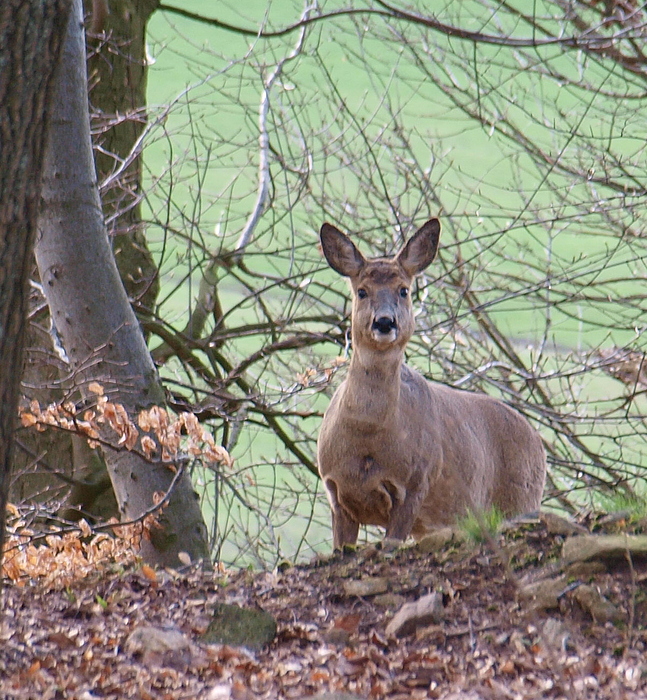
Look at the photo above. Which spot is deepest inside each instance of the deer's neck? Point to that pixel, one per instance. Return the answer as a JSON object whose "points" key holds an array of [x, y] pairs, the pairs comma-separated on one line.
{"points": [[373, 387]]}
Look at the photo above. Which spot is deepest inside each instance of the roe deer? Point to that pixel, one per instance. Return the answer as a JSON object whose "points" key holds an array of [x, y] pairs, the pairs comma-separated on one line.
{"points": [[396, 450]]}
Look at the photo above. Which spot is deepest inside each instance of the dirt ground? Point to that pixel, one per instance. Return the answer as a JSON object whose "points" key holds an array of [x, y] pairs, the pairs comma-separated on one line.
{"points": [[514, 624]]}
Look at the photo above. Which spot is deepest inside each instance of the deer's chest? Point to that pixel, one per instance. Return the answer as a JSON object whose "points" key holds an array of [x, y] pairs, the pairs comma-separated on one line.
{"points": [[364, 451]]}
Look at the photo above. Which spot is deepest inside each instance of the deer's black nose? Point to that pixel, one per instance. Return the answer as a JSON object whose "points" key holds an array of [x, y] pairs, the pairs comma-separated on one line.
{"points": [[384, 324]]}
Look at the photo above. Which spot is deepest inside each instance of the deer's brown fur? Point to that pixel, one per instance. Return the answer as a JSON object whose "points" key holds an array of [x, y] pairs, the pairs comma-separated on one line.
{"points": [[397, 450]]}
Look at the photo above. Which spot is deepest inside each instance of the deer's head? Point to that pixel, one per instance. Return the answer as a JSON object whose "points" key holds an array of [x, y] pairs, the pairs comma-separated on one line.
{"points": [[382, 314]]}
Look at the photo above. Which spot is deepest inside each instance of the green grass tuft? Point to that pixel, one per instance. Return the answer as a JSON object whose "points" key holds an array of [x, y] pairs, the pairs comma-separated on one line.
{"points": [[482, 526]]}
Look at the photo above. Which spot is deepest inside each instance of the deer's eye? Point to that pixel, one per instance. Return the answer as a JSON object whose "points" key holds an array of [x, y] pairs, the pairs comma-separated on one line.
{"points": [[404, 292], [362, 293]]}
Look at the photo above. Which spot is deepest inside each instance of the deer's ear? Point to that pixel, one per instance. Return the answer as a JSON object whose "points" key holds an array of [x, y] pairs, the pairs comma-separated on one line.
{"points": [[421, 248], [340, 252]]}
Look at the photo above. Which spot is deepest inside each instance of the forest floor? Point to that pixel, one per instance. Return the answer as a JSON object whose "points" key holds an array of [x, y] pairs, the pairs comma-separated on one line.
{"points": [[512, 618]]}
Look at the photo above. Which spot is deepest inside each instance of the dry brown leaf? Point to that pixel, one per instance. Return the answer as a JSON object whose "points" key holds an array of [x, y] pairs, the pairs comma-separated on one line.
{"points": [[349, 623], [149, 573], [149, 446], [28, 419]]}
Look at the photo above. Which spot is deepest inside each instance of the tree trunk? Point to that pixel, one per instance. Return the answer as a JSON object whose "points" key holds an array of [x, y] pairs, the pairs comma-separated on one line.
{"points": [[31, 39], [90, 308], [51, 467], [118, 71]]}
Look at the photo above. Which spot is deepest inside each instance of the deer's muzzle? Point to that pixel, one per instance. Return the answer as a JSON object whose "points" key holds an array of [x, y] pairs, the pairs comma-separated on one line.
{"points": [[385, 325]]}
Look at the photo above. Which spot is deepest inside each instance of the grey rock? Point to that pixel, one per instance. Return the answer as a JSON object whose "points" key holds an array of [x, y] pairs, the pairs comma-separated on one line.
{"points": [[435, 540], [591, 600], [161, 647], [604, 547], [391, 601], [371, 585], [556, 525], [544, 594], [425, 611]]}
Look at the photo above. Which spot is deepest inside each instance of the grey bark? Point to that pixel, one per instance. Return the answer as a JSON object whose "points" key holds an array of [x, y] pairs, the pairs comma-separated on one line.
{"points": [[31, 38], [90, 308], [52, 467]]}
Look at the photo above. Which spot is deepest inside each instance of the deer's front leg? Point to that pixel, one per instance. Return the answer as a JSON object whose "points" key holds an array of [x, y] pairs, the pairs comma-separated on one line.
{"points": [[344, 528], [404, 507]]}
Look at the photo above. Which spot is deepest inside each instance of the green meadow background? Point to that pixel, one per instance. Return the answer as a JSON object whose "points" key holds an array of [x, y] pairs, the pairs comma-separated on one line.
{"points": [[378, 126]]}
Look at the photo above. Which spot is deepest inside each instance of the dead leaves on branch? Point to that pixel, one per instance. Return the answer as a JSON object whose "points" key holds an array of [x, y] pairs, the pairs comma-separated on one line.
{"points": [[155, 434], [61, 556], [58, 559]]}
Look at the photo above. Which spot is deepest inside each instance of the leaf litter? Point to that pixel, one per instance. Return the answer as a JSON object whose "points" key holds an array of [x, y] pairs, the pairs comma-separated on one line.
{"points": [[106, 626]]}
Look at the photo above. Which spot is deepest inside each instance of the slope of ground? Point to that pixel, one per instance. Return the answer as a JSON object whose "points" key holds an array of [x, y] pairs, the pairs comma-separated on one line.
{"points": [[515, 623]]}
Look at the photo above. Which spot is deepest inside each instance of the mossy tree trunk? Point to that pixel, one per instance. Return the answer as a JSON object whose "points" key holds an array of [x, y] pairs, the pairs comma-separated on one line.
{"points": [[117, 67]]}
